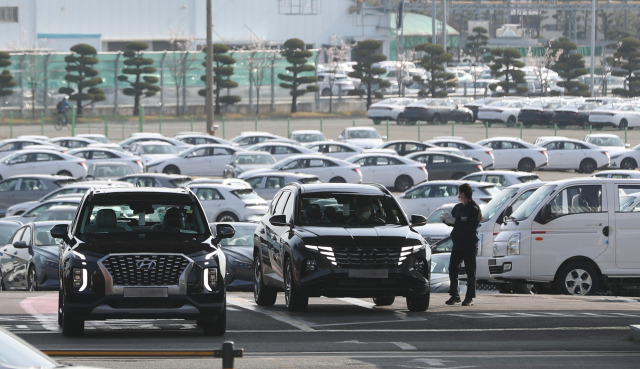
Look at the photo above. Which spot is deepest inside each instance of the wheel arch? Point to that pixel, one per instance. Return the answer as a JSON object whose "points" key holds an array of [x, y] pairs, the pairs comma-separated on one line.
{"points": [[578, 259]]}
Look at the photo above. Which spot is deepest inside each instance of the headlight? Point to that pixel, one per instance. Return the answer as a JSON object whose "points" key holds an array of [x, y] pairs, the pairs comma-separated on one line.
{"points": [[408, 250], [210, 279], [325, 251], [79, 279], [513, 245]]}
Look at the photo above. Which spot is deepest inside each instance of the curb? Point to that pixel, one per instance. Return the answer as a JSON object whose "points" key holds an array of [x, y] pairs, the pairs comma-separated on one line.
{"points": [[635, 332]]}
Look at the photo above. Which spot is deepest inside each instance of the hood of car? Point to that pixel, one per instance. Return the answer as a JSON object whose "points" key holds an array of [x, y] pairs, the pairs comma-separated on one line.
{"points": [[367, 143], [240, 253], [48, 252], [365, 237], [162, 243]]}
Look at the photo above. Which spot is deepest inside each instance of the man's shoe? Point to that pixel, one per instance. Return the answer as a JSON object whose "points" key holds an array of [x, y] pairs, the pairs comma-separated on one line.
{"points": [[467, 302], [453, 300]]}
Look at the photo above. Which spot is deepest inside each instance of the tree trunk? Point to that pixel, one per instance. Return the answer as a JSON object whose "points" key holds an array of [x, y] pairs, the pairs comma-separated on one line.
{"points": [[294, 104], [136, 105], [257, 100]]}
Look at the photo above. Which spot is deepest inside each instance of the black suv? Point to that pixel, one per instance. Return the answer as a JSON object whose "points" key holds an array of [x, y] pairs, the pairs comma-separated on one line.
{"points": [[138, 253], [339, 240]]}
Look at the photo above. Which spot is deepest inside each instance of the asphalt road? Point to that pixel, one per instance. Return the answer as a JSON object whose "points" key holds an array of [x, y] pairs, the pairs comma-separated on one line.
{"points": [[500, 331]]}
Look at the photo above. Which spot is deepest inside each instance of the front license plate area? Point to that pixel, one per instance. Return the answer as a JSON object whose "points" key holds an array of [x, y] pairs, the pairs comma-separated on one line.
{"points": [[146, 292], [368, 273]]}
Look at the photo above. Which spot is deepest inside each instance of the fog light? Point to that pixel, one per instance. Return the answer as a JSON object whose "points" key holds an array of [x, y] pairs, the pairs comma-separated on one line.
{"points": [[211, 278], [418, 265], [311, 265], [506, 267], [80, 279]]}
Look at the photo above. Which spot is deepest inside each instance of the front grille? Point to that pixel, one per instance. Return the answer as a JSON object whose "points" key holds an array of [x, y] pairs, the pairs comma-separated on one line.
{"points": [[145, 270], [495, 269], [367, 258]]}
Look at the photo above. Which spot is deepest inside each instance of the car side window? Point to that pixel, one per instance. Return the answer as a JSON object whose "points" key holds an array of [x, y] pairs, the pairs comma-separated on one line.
{"points": [[577, 199], [628, 198], [26, 236], [8, 185], [282, 202], [31, 185], [274, 203], [474, 178], [289, 208], [18, 235], [255, 182]]}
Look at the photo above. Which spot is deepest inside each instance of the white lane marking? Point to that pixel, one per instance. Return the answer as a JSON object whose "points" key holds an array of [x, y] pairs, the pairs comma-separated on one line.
{"points": [[358, 302], [251, 306], [401, 315], [404, 346]]}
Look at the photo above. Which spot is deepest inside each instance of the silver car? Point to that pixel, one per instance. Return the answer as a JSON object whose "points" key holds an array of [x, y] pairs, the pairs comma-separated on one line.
{"points": [[223, 203]]}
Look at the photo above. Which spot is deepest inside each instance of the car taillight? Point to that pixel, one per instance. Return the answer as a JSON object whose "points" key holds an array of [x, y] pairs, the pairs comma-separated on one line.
{"points": [[606, 153], [83, 164], [479, 166], [424, 169], [543, 152], [357, 170], [139, 163], [491, 154]]}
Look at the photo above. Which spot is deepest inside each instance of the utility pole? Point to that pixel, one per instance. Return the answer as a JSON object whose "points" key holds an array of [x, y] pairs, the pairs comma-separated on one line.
{"points": [[208, 101]]}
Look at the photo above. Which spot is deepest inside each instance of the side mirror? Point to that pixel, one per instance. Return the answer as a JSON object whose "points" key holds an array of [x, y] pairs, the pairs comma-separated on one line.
{"points": [[508, 211], [20, 245], [545, 214], [279, 220], [60, 231], [223, 231], [418, 220]]}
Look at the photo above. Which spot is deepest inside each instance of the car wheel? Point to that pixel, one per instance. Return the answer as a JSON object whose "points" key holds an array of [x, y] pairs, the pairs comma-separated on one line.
{"points": [[623, 124], [64, 173], [292, 297], [436, 119], [577, 279], [32, 285], [264, 296], [326, 92], [403, 183], [2, 287], [467, 119], [587, 166], [628, 164], [377, 121], [171, 169], [522, 288], [216, 326], [418, 302], [337, 180], [384, 300], [70, 327], [457, 175], [400, 120], [227, 217], [526, 165], [511, 121]]}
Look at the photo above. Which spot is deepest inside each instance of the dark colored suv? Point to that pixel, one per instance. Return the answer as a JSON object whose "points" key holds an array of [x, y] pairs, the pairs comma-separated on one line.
{"points": [[138, 253], [339, 240]]}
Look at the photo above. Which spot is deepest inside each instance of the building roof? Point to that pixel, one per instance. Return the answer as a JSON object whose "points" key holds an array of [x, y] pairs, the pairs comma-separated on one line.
{"points": [[417, 25]]}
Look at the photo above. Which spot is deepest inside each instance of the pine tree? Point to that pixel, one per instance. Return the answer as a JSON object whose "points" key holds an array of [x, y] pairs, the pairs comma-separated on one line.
{"points": [[433, 59], [569, 66], [628, 54], [80, 72], [222, 72], [477, 46], [139, 68], [296, 54], [505, 64], [7, 82], [365, 54]]}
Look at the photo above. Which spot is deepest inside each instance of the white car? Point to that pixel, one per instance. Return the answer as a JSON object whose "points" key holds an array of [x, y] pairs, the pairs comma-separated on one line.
{"points": [[335, 149], [37, 208], [269, 183], [38, 161], [242, 161], [207, 160], [620, 173], [11, 145], [388, 109], [200, 139], [514, 153], [627, 159], [307, 135], [426, 197], [621, 116], [141, 137], [502, 178], [435, 229], [326, 168], [71, 142], [365, 137], [469, 149], [249, 138], [280, 150], [570, 154], [150, 151], [608, 141], [94, 137], [330, 84], [224, 203], [501, 111], [390, 170], [104, 170], [93, 155]]}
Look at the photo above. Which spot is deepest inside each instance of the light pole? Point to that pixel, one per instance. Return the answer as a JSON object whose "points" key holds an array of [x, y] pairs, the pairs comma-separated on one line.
{"points": [[208, 101], [593, 44]]}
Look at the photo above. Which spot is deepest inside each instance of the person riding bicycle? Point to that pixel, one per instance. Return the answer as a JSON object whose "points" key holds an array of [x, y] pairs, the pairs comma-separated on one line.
{"points": [[62, 107]]}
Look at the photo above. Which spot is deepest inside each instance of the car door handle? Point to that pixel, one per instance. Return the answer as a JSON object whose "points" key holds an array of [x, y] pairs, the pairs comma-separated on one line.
{"points": [[605, 231]]}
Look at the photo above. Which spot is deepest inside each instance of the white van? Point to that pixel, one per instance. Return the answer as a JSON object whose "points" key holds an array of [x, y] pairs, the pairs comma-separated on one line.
{"points": [[575, 236], [493, 214]]}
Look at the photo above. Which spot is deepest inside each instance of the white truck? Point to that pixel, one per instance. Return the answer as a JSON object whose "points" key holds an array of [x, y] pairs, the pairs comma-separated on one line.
{"points": [[576, 236]]}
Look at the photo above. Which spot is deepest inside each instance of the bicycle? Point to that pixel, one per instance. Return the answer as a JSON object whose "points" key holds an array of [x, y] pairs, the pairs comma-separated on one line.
{"points": [[62, 120]]}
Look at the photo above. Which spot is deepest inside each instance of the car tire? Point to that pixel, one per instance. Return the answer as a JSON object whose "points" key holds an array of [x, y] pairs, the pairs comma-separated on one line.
{"points": [[526, 165], [70, 327], [628, 164], [263, 295], [587, 166], [32, 284], [293, 299], [384, 300], [467, 119], [64, 173], [436, 119], [227, 217], [400, 120], [171, 169], [337, 180], [403, 183], [377, 122], [2, 287], [578, 278], [511, 121], [623, 124], [418, 302], [326, 92], [217, 326]]}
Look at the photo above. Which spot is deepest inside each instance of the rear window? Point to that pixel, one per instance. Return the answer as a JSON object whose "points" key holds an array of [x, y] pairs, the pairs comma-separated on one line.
{"points": [[310, 180], [246, 194], [65, 182], [491, 190], [529, 178], [182, 182]]}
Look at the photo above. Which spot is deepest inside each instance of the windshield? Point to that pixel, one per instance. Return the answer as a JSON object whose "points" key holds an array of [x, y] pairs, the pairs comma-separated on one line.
{"points": [[6, 231], [364, 134], [490, 209], [17, 353], [348, 210], [142, 219], [527, 207], [159, 149], [256, 159], [435, 216], [242, 237]]}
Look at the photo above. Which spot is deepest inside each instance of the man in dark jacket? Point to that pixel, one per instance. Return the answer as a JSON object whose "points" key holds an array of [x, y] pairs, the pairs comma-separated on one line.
{"points": [[465, 218]]}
